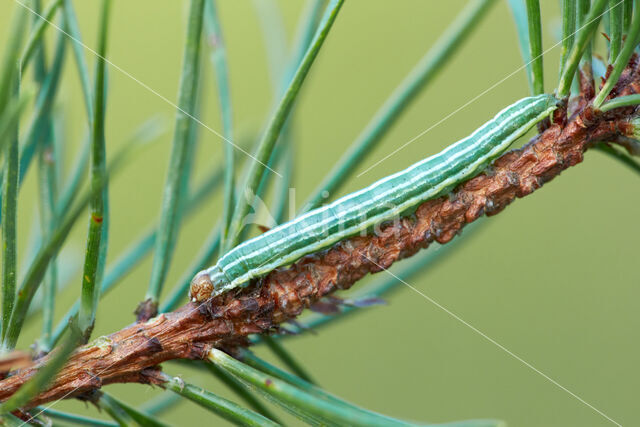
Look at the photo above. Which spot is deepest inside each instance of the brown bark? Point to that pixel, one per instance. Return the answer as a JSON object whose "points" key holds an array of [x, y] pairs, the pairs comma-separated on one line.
{"points": [[134, 353]]}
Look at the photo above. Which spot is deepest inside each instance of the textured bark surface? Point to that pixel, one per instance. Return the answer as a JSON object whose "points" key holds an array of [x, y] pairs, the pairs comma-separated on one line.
{"points": [[134, 353]]}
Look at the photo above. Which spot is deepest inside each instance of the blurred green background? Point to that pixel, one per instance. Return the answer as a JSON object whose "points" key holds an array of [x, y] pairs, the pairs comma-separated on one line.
{"points": [[553, 279]]}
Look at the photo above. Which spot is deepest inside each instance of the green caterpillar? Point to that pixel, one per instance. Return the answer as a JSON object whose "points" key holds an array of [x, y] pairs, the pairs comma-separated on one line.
{"points": [[381, 201]]}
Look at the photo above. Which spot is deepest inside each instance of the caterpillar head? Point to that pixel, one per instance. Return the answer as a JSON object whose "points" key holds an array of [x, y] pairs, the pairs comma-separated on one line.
{"points": [[207, 284], [201, 287]]}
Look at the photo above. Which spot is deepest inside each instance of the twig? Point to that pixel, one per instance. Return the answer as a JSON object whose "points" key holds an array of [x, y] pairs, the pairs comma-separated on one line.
{"points": [[134, 353]]}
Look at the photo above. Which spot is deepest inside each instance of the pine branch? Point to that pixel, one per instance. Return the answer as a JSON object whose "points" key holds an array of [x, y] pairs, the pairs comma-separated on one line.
{"points": [[133, 353]]}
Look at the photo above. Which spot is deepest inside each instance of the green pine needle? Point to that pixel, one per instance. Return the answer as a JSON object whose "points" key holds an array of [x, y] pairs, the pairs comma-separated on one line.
{"points": [[568, 30], [582, 12], [287, 359], [98, 206], [37, 32], [9, 70], [308, 405], [281, 199], [51, 246], [219, 60], [137, 251], [626, 14], [9, 226], [119, 407], [270, 136], [519, 13], [114, 410], [274, 40], [178, 172], [422, 74], [76, 178], [11, 116], [160, 403], [41, 111], [71, 26], [622, 101], [240, 390], [615, 29], [47, 186], [622, 59], [10, 90], [583, 41], [307, 26], [225, 408], [74, 418], [535, 45]]}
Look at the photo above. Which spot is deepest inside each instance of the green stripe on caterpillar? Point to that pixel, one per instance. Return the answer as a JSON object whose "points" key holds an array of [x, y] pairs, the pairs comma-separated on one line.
{"points": [[384, 200]]}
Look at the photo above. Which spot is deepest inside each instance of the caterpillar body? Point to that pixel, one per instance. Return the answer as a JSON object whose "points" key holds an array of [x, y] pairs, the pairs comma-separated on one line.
{"points": [[381, 201]]}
